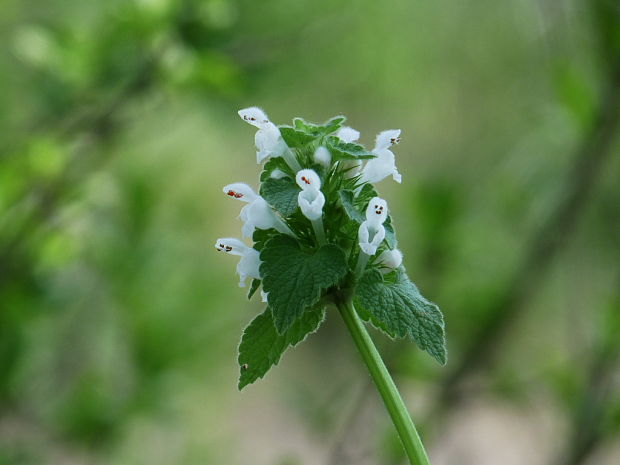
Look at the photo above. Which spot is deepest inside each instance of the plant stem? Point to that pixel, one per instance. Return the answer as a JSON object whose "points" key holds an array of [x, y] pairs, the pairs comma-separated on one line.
{"points": [[317, 225], [385, 384], [290, 159], [362, 261]]}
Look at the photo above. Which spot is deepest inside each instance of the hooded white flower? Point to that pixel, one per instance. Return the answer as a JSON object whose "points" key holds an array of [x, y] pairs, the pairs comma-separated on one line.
{"points": [[371, 232], [347, 134], [384, 164], [322, 156], [268, 140], [311, 200], [389, 260], [257, 213], [248, 266]]}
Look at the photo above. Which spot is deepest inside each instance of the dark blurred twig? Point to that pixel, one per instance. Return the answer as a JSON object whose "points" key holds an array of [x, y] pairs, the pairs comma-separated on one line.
{"points": [[589, 428], [545, 244], [98, 125], [17, 260]]}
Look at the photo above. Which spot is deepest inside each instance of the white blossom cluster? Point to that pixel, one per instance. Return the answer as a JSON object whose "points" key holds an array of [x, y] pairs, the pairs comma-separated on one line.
{"points": [[258, 214]]}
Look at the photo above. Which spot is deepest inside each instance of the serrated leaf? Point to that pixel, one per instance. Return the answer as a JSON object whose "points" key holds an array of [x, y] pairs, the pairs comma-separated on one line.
{"points": [[295, 138], [347, 150], [281, 194], [390, 234], [346, 198], [261, 346], [329, 127], [261, 236], [395, 305], [275, 163], [253, 288], [295, 279]]}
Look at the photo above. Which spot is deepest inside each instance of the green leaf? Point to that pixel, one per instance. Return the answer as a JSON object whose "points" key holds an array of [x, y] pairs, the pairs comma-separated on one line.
{"points": [[261, 236], [294, 279], [253, 288], [261, 346], [393, 304], [275, 163], [346, 198], [390, 234], [295, 138], [347, 150], [329, 127], [281, 194]]}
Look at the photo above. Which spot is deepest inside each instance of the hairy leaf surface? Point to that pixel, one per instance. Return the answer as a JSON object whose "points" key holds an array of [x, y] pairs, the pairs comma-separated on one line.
{"points": [[261, 346], [394, 304], [295, 279]]}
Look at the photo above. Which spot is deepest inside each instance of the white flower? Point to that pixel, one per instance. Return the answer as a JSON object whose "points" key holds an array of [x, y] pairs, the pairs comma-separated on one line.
{"points": [[257, 213], [322, 156], [311, 203], [268, 140], [389, 260], [347, 134], [371, 232], [311, 200], [248, 266], [308, 179], [384, 164]]}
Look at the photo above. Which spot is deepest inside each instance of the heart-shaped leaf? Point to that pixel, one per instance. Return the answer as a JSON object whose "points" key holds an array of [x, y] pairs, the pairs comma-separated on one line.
{"points": [[394, 305], [261, 346], [281, 194], [295, 279]]}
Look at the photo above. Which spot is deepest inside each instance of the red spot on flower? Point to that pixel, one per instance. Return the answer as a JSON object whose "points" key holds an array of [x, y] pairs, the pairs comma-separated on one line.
{"points": [[234, 194]]}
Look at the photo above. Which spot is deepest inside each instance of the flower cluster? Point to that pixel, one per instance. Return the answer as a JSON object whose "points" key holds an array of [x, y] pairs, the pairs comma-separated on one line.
{"points": [[355, 169], [321, 232]]}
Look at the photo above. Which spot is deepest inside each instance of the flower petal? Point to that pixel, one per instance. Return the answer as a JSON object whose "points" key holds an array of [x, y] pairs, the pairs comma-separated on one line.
{"points": [[385, 139], [254, 115], [308, 179], [347, 134]]}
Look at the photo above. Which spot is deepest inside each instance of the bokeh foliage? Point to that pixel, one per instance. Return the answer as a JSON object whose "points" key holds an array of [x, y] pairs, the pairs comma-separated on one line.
{"points": [[119, 325]]}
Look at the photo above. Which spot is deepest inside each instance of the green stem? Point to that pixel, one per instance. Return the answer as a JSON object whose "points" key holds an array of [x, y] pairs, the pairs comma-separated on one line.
{"points": [[290, 159], [362, 261], [317, 225], [385, 384]]}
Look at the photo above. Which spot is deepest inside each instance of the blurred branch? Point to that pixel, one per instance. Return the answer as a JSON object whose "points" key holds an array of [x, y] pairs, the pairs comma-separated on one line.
{"points": [[17, 259], [351, 428], [545, 244], [97, 124], [588, 429]]}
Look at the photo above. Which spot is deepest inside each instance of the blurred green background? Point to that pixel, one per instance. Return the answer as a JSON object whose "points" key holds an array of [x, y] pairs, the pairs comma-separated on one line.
{"points": [[119, 323]]}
